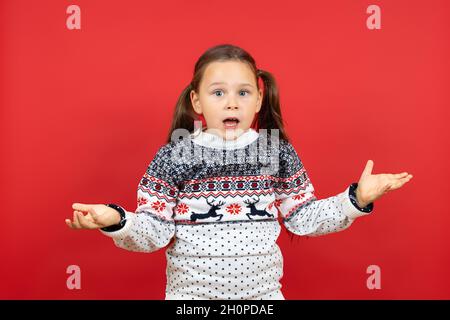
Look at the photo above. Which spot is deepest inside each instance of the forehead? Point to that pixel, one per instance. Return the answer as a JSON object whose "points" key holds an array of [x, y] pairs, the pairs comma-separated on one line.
{"points": [[228, 72]]}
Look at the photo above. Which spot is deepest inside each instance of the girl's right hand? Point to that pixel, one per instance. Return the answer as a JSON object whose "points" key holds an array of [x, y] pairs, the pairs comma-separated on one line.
{"points": [[97, 216]]}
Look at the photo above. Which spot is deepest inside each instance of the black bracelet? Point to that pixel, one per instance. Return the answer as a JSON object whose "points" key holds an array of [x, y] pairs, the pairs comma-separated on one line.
{"points": [[353, 199], [122, 221]]}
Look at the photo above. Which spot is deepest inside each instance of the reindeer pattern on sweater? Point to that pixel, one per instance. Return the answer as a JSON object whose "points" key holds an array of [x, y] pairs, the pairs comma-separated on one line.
{"points": [[220, 221]]}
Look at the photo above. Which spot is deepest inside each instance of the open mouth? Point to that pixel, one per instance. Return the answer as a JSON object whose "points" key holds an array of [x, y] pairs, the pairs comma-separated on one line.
{"points": [[231, 122]]}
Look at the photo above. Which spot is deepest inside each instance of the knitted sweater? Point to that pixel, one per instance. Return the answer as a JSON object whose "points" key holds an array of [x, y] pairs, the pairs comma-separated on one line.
{"points": [[220, 219]]}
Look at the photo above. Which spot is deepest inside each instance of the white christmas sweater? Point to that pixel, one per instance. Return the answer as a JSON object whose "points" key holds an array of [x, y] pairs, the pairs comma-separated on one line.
{"points": [[220, 220]]}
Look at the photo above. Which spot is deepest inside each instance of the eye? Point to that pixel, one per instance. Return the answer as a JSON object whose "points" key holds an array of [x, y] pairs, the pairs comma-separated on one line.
{"points": [[216, 92], [245, 91]]}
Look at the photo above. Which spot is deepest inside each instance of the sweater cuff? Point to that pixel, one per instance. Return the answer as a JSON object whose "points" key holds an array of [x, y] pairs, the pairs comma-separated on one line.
{"points": [[350, 209], [123, 232]]}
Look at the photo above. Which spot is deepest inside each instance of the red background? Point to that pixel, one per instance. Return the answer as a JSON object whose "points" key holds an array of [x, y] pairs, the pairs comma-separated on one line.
{"points": [[83, 112]]}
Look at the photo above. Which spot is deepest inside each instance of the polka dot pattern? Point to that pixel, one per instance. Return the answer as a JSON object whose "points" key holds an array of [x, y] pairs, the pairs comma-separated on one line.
{"points": [[319, 217], [147, 234], [231, 260]]}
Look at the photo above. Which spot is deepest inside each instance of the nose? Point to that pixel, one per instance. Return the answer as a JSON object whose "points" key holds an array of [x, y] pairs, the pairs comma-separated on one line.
{"points": [[232, 106], [231, 102]]}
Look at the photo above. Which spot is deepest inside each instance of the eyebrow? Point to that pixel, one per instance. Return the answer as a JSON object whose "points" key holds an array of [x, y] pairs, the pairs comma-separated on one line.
{"points": [[241, 84]]}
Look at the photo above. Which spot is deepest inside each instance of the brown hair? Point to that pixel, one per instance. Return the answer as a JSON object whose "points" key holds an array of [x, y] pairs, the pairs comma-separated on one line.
{"points": [[269, 117]]}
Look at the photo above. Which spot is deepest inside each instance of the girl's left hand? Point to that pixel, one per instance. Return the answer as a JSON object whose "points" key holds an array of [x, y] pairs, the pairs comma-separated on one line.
{"points": [[373, 186]]}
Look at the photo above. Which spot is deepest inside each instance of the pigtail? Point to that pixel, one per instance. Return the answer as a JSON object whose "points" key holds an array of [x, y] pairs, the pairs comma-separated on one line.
{"points": [[184, 115], [269, 117]]}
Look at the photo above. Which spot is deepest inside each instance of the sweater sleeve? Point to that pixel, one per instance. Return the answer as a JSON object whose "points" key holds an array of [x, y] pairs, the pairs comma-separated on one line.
{"points": [[302, 213], [151, 226]]}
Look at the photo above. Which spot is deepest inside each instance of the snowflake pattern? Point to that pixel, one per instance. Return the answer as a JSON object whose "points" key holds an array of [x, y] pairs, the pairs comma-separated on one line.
{"points": [[234, 208], [298, 197], [182, 208], [158, 206], [141, 201]]}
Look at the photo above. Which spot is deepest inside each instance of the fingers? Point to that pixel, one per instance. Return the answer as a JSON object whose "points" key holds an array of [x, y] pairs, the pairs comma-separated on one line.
{"points": [[94, 214], [400, 175], [368, 169], [75, 222], [69, 223], [396, 183], [81, 207], [80, 221], [85, 223]]}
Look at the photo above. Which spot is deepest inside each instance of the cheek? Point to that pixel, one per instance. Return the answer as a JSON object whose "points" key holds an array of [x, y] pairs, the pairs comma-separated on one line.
{"points": [[211, 103], [250, 103], [251, 110], [210, 116]]}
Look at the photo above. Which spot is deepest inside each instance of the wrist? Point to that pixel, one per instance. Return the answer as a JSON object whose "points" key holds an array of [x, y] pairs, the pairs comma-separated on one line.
{"points": [[121, 218], [361, 203], [117, 217], [368, 206]]}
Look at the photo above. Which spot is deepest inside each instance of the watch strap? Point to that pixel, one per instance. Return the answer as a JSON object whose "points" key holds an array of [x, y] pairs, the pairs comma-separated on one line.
{"points": [[353, 199]]}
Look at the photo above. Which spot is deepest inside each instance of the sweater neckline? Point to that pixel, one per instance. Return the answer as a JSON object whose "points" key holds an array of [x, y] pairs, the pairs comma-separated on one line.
{"points": [[211, 140]]}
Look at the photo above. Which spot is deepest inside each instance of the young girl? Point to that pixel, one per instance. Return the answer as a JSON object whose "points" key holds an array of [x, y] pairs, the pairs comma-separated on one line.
{"points": [[219, 219]]}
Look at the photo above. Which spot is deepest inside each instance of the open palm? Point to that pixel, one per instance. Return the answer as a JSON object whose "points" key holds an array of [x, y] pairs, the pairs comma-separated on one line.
{"points": [[373, 186], [92, 216]]}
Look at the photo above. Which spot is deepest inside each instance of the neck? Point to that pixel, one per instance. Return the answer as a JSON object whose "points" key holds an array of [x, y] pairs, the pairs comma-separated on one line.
{"points": [[214, 140]]}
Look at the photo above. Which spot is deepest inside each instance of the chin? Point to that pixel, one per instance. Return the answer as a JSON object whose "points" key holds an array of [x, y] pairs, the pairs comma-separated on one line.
{"points": [[233, 134]]}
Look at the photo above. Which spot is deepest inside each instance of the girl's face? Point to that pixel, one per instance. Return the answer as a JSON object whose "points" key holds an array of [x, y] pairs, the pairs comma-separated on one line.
{"points": [[227, 90]]}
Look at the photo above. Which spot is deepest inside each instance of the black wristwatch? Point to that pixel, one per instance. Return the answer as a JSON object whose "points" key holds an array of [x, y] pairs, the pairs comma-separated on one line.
{"points": [[353, 199], [122, 221]]}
